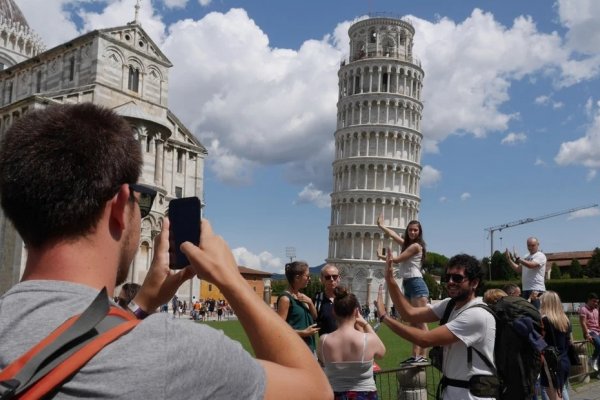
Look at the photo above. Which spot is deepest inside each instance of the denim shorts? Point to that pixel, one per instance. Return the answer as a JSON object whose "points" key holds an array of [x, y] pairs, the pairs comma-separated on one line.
{"points": [[415, 287]]}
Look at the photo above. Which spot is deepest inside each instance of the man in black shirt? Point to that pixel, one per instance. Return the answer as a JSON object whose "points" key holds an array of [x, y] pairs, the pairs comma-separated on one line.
{"points": [[330, 278]]}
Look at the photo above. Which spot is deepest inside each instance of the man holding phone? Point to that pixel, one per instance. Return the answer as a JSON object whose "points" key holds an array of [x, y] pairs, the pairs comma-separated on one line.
{"points": [[68, 183]]}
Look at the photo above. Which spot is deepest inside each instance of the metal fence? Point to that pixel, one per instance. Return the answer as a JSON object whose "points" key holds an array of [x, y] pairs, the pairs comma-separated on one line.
{"points": [[420, 383]]}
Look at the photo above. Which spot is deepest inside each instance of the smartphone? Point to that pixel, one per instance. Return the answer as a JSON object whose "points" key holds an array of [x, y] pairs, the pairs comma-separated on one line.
{"points": [[383, 251], [184, 217]]}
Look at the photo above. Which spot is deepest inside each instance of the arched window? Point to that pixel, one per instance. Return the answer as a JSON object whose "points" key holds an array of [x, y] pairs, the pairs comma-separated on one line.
{"points": [[134, 79]]}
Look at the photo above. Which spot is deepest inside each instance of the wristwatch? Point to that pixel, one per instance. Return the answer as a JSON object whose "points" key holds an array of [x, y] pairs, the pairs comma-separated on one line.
{"points": [[137, 310]]}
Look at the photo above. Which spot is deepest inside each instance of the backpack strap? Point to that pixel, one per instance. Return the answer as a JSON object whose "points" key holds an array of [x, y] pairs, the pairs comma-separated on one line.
{"points": [[448, 311], [66, 350]]}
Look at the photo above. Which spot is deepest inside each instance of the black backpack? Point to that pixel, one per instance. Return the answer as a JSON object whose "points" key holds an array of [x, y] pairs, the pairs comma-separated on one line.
{"points": [[517, 361]]}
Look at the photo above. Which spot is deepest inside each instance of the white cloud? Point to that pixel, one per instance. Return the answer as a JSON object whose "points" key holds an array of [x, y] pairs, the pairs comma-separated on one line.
{"points": [[582, 20], [558, 104], [486, 57], [443, 199], [204, 3], [587, 213], [264, 261], [590, 175], [310, 194], [542, 100], [465, 196], [175, 3], [277, 106], [539, 162], [430, 176], [585, 150], [514, 138], [267, 106]]}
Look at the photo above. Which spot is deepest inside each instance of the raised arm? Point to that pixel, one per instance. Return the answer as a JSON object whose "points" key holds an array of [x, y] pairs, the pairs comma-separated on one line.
{"points": [[510, 261], [408, 312], [290, 368], [390, 232]]}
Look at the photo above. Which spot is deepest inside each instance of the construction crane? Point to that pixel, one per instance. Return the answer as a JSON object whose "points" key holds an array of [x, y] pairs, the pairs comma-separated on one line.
{"points": [[493, 229]]}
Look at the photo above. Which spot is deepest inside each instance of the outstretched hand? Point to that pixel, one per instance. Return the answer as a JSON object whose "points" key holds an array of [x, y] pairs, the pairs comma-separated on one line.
{"points": [[389, 266], [379, 303], [380, 220], [161, 282]]}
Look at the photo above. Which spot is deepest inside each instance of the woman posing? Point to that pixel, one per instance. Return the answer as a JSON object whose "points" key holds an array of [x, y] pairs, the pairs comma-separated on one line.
{"points": [[296, 308], [411, 258], [557, 332], [347, 354]]}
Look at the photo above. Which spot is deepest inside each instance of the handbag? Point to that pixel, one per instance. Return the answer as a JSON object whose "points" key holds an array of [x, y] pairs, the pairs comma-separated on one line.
{"points": [[572, 353]]}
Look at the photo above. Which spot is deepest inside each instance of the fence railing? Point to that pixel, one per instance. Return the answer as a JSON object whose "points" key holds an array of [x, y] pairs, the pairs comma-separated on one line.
{"points": [[420, 383]]}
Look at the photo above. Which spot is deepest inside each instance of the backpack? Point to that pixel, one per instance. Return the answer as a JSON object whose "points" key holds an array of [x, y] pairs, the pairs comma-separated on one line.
{"points": [[47, 365], [517, 351]]}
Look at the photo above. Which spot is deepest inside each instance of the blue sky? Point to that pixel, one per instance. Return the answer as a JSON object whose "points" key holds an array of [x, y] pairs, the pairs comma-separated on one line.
{"points": [[511, 120]]}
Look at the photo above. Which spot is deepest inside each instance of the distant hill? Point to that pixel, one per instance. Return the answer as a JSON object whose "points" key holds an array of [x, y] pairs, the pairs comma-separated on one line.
{"points": [[313, 271]]}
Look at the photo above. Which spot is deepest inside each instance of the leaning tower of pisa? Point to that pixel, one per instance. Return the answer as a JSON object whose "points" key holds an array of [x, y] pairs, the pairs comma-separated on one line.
{"points": [[377, 162]]}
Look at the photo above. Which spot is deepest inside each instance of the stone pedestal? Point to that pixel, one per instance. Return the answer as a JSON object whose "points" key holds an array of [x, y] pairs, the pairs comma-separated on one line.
{"points": [[412, 383]]}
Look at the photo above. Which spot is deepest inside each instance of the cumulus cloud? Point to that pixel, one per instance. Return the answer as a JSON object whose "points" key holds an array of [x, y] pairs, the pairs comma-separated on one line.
{"points": [[514, 138], [310, 194], [430, 176], [539, 162], [204, 3], [255, 105], [465, 196], [542, 100], [585, 150], [486, 57], [264, 261], [587, 213]]}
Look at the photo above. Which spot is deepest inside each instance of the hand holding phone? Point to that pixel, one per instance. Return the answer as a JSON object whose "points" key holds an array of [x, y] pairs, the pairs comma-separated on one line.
{"points": [[184, 217]]}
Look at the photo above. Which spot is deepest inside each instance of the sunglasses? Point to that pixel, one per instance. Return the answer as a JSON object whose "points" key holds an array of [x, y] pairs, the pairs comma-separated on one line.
{"points": [[456, 278], [331, 277], [146, 198]]}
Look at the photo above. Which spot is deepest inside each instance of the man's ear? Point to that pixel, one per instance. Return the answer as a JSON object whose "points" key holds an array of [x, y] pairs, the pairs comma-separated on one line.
{"points": [[475, 284], [119, 205]]}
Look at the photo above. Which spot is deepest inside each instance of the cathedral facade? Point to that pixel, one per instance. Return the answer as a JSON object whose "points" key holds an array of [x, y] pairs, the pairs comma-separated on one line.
{"points": [[120, 68]]}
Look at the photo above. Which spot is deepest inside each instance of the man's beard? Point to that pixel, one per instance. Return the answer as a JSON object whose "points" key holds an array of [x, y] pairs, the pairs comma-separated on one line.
{"points": [[462, 295]]}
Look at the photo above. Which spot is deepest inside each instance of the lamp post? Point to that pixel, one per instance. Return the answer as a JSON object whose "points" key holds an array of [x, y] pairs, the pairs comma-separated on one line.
{"points": [[290, 252]]}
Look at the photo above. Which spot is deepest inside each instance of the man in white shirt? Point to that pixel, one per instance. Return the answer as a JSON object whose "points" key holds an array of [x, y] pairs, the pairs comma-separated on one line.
{"points": [[467, 326], [532, 269]]}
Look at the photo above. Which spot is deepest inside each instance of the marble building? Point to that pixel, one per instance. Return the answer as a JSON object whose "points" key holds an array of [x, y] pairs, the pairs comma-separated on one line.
{"points": [[377, 163], [120, 68]]}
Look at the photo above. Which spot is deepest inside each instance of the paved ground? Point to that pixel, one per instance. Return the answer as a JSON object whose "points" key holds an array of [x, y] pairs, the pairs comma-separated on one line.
{"points": [[587, 391]]}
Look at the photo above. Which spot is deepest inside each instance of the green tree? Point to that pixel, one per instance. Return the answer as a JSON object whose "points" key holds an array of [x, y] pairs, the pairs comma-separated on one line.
{"points": [[432, 285], [435, 263], [277, 287], [575, 270], [501, 271], [593, 267], [555, 272]]}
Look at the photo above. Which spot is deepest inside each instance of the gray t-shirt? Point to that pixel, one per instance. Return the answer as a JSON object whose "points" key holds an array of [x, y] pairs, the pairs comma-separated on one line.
{"points": [[162, 358]]}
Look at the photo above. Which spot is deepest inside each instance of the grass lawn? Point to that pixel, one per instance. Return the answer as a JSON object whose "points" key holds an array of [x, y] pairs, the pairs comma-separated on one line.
{"points": [[398, 349]]}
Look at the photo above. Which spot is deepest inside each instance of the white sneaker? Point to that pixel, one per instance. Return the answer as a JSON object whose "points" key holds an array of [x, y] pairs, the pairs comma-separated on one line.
{"points": [[593, 363]]}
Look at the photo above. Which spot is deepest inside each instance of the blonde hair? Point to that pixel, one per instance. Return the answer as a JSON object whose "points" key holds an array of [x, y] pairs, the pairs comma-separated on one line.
{"points": [[551, 307], [491, 296]]}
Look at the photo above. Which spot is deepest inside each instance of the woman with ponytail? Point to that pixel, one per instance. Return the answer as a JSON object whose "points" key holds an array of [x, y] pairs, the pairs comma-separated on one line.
{"points": [[348, 353]]}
